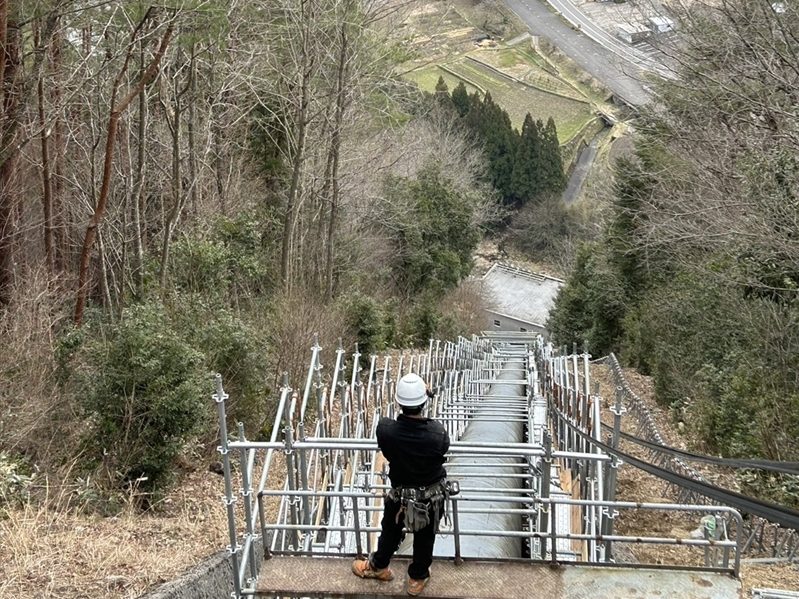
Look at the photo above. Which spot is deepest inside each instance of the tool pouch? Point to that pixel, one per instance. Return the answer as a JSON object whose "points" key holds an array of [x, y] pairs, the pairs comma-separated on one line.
{"points": [[422, 506], [417, 514]]}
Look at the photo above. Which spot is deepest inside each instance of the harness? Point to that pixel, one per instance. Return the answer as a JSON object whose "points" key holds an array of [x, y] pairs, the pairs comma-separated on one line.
{"points": [[423, 505]]}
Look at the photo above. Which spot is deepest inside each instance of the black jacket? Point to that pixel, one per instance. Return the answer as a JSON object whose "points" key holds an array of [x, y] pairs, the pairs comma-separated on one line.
{"points": [[414, 448]]}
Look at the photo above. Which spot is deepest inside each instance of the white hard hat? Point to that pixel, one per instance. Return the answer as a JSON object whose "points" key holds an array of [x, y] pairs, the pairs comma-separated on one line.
{"points": [[411, 391]]}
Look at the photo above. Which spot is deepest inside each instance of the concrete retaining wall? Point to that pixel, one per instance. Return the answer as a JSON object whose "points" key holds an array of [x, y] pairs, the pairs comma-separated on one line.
{"points": [[210, 579]]}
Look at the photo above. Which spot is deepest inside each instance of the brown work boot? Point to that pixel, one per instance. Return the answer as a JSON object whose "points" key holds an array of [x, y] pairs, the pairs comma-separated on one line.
{"points": [[416, 585], [364, 569]]}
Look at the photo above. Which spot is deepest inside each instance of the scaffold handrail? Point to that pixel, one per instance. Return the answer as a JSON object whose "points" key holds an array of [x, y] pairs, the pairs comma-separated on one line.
{"points": [[559, 486]]}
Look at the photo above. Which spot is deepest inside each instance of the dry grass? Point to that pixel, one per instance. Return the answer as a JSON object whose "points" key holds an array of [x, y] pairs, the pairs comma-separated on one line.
{"points": [[31, 410], [49, 547], [465, 306], [296, 319]]}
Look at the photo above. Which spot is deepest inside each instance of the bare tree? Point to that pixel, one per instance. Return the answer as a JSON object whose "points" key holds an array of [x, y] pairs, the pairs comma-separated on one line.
{"points": [[17, 88], [117, 107], [729, 130]]}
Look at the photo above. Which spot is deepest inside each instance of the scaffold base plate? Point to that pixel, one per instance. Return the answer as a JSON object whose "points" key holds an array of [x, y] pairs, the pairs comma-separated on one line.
{"points": [[330, 577]]}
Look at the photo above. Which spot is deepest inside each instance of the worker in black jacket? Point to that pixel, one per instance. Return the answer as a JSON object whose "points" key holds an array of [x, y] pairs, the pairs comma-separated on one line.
{"points": [[415, 448]]}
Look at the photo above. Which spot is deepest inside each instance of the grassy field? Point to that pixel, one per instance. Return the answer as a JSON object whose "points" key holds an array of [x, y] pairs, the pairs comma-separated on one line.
{"points": [[444, 34], [528, 66], [427, 77], [517, 99], [522, 79]]}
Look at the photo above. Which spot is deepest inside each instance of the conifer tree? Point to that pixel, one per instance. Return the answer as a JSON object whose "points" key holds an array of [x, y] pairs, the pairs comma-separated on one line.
{"points": [[553, 163], [441, 88], [500, 140], [474, 115], [441, 95], [528, 176], [460, 99]]}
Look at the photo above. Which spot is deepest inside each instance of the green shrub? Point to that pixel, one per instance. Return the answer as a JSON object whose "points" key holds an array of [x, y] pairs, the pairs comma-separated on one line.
{"points": [[436, 232], [146, 395], [16, 478], [231, 262], [422, 322], [365, 317], [200, 266], [231, 346]]}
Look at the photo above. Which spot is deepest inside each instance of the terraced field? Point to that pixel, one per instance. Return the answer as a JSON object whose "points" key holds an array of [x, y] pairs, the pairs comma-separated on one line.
{"points": [[511, 88], [427, 77]]}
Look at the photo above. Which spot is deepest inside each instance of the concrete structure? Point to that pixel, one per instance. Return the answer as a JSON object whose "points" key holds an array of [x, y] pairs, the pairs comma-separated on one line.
{"points": [[661, 24], [210, 579], [518, 300], [632, 32]]}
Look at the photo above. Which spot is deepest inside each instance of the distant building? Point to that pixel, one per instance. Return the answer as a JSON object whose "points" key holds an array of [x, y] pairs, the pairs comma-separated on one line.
{"points": [[518, 300], [632, 32], [661, 24]]}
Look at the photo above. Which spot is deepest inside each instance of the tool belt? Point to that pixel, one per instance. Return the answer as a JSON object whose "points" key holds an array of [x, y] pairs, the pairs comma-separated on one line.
{"points": [[423, 505]]}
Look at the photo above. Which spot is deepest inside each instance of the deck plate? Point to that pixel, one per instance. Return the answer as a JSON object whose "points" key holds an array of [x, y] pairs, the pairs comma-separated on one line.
{"points": [[331, 577]]}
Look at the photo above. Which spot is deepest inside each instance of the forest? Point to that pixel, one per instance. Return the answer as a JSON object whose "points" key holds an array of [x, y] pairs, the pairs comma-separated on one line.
{"points": [[201, 187], [695, 277]]}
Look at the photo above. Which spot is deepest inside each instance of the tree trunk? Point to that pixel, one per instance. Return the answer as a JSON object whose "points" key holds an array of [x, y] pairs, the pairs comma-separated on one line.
{"points": [[137, 197], [16, 88], [335, 150], [113, 121], [190, 135], [3, 41], [178, 197], [9, 51], [298, 156], [104, 286], [47, 197], [7, 205], [57, 186], [177, 204]]}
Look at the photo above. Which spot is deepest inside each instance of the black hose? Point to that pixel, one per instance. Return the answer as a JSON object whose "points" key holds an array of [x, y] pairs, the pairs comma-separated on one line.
{"points": [[784, 516], [769, 465]]}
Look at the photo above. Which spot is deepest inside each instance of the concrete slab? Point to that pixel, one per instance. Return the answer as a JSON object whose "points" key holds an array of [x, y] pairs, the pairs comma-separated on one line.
{"points": [[520, 294], [331, 577]]}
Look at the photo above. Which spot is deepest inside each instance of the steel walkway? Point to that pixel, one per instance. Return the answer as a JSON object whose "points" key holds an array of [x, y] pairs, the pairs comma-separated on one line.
{"points": [[536, 512]]}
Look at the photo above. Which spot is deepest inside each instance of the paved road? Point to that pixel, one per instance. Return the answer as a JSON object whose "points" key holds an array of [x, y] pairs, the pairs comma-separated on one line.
{"points": [[581, 170], [621, 75]]}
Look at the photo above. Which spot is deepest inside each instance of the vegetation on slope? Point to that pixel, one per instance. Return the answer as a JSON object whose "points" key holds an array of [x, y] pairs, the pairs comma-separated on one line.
{"points": [[210, 186], [696, 279]]}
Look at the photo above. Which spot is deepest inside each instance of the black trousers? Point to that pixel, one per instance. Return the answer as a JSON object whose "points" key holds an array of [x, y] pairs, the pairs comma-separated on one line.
{"points": [[392, 535]]}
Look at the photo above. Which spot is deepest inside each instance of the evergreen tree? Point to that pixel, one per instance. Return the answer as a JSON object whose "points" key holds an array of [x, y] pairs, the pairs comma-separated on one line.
{"points": [[441, 93], [437, 239], [527, 177], [441, 87], [500, 141], [474, 115], [555, 178], [634, 184], [460, 99]]}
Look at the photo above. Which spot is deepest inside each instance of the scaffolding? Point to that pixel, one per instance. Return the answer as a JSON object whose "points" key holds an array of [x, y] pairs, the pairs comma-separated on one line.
{"points": [[542, 493]]}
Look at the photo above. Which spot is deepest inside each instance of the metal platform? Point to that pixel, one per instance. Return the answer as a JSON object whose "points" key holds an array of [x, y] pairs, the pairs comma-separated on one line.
{"points": [[314, 577]]}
